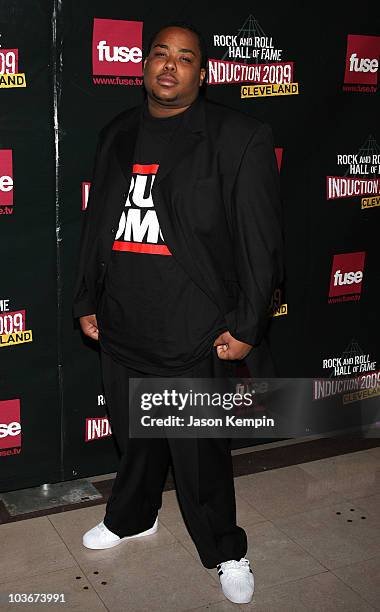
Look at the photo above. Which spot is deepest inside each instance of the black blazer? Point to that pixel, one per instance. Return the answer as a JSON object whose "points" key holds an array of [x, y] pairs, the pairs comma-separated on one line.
{"points": [[217, 199]]}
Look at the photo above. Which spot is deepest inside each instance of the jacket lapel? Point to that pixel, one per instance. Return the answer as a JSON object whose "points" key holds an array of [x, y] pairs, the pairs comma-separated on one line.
{"points": [[191, 131], [119, 172], [186, 137], [124, 143]]}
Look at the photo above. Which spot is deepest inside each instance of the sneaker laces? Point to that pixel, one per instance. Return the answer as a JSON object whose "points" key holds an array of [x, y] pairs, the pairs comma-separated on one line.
{"points": [[235, 565]]}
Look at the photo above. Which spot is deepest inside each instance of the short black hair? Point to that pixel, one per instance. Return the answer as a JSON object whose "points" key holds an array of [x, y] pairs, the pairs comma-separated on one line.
{"points": [[185, 26]]}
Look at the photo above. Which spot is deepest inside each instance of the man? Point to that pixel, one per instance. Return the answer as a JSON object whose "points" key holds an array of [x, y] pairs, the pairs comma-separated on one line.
{"points": [[180, 254]]}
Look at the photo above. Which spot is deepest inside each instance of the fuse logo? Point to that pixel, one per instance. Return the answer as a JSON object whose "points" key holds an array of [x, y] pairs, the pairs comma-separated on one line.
{"points": [[363, 64], [347, 275], [6, 177], [362, 59], [10, 425], [117, 47]]}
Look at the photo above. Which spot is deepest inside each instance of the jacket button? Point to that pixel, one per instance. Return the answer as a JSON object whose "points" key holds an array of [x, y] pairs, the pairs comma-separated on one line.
{"points": [[102, 263], [113, 230]]}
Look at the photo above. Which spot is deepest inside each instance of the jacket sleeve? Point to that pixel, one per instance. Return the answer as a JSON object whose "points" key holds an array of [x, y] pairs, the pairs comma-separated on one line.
{"points": [[257, 237], [83, 301]]}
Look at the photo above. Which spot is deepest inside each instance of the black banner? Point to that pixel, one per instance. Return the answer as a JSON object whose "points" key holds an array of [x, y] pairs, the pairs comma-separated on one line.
{"points": [[66, 68]]}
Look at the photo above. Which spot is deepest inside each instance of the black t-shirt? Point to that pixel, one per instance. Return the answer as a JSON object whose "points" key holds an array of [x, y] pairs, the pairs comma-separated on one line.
{"points": [[152, 317]]}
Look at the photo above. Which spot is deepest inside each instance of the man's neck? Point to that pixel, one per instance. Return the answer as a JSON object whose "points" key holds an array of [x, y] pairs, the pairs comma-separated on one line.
{"points": [[160, 111]]}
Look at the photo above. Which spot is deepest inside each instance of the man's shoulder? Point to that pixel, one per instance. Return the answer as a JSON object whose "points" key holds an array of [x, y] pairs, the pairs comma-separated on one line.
{"points": [[230, 118], [119, 121]]}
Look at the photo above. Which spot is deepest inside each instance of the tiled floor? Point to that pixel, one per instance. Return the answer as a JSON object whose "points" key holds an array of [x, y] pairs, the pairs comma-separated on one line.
{"points": [[314, 544]]}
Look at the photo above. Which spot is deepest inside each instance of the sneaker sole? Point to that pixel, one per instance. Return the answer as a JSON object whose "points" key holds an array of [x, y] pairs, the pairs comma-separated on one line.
{"points": [[143, 534], [239, 601]]}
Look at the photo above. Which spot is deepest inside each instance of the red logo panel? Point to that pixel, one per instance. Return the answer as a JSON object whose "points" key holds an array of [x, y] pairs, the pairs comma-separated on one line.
{"points": [[347, 274], [362, 59], [117, 47], [279, 151], [6, 178], [10, 427], [8, 61]]}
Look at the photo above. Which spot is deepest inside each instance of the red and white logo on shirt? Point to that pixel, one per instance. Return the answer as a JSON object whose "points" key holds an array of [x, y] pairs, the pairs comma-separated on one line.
{"points": [[117, 47], [139, 229]]}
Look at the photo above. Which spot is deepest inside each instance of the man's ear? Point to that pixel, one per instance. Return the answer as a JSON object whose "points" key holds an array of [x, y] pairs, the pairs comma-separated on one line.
{"points": [[144, 63], [202, 76]]}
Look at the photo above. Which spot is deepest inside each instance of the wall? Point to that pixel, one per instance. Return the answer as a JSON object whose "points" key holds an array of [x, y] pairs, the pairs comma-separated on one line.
{"points": [[49, 375]]}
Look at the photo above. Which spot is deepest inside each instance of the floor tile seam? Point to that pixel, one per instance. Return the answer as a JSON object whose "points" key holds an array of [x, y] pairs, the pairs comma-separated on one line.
{"points": [[362, 597], [372, 556], [299, 466], [301, 547], [191, 553], [356, 465], [178, 540], [350, 498], [211, 603], [144, 549], [262, 589], [78, 506], [253, 523], [326, 571], [339, 477], [94, 588], [318, 560], [372, 513], [337, 458], [318, 507], [352, 501], [72, 554], [44, 573], [323, 570], [291, 580], [366, 496], [362, 451], [269, 470], [250, 504], [160, 548]]}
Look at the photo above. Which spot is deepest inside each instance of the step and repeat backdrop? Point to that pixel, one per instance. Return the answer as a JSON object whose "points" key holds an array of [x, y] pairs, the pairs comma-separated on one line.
{"points": [[66, 68]]}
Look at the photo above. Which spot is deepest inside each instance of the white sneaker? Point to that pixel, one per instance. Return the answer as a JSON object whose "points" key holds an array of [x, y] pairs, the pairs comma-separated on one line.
{"points": [[100, 537], [236, 578]]}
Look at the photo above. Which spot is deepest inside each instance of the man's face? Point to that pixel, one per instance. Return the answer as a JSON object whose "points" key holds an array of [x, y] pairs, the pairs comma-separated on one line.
{"points": [[172, 72]]}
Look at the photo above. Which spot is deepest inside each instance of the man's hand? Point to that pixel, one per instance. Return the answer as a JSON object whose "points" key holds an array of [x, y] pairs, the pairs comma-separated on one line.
{"points": [[89, 326], [227, 347]]}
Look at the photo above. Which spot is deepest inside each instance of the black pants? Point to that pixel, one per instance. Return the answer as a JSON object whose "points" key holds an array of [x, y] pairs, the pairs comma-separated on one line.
{"points": [[202, 471]]}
